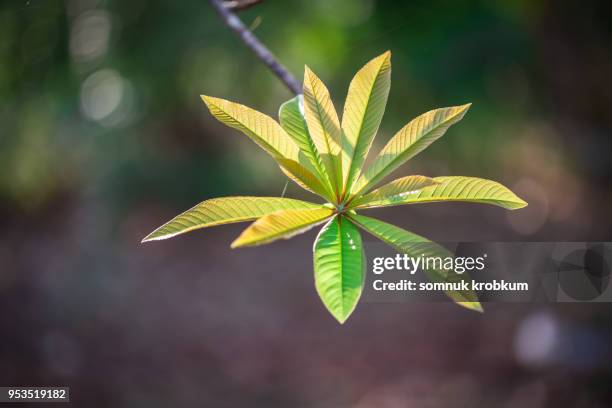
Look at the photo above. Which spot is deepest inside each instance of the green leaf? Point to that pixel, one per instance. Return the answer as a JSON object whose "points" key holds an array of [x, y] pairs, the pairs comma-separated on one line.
{"points": [[261, 128], [467, 189], [268, 134], [304, 178], [323, 125], [414, 245], [412, 139], [281, 224], [225, 210], [339, 267], [291, 116], [394, 192], [363, 112]]}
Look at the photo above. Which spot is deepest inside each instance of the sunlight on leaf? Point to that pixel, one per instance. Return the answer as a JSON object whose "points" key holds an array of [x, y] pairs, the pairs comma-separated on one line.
{"points": [[363, 112], [339, 267], [291, 116], [324, 158], [414, 245], [412, 139], [262, 129], [281, 224], [394, 192], [323, 125], [225, 210], [304, 178], [466, 189]]}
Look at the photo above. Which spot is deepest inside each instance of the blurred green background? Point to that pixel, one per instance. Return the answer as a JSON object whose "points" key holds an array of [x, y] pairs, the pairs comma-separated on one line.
{"points": [[100, 99], [103, 137]]}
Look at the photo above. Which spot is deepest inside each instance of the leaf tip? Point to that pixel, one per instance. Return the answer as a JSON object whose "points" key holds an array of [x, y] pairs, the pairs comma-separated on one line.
{"points": [[153, 237], [209, 101], [341, 320], [475, 306], [340, 317], [459, 111], [382, 58], [310, 78], [242, 240], [520, 204]]}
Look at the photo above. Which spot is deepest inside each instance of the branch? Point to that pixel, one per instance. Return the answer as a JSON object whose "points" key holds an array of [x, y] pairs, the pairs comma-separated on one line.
{"points": [[260, 50], [239, 5]]}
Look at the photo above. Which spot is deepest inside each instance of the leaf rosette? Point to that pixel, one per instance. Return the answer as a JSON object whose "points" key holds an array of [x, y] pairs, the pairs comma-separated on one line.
{"points": [[325, 155]]}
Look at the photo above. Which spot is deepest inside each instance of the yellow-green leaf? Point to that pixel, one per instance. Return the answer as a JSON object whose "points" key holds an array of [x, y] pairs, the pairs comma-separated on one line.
{"points": [[262, 129], [268, 134], [291, 115], [415, 246], [363, 111], [394, 192], [408, 142], [467, 189], [323, 125], [339, 267], [225, 210], [281, 224], [304, 178]]}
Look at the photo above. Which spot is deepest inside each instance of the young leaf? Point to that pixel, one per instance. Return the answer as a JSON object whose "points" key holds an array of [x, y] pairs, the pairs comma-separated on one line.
{"points": [[363, 112], [268, 134], [304, 178], [408, 142], [394, 192], [339, 267], [414, 245], [225, 210], [291, 116], [467, 189], [281, 224], [323, 125], [325, 158], [261, 128]]}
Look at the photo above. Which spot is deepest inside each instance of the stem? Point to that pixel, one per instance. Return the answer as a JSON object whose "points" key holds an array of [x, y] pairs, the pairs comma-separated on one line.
{"points": [[260, 50]]}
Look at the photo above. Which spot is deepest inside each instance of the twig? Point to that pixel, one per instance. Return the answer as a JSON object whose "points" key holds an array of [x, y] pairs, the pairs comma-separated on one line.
{"points": [[260, 50], [239, 5]]}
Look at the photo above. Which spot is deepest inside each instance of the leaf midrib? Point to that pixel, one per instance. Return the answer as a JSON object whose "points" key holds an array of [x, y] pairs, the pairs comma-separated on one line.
{"points": [[350, 179], [326, 138], [259, 138], [369, 184]]}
